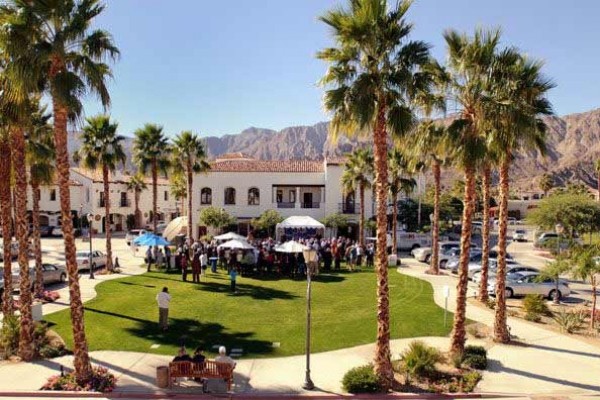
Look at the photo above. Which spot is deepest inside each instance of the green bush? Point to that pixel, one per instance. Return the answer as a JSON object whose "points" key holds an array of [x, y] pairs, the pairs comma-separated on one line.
{"points": [[470, 380], [9, 335], [569, 321], [475, 357], [535, 306], [419, 359], [361, 380]]}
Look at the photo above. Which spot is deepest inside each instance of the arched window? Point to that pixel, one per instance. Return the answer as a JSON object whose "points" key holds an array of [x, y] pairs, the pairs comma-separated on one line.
{"points": [[253, 197], [229, 196], [206, 196]]}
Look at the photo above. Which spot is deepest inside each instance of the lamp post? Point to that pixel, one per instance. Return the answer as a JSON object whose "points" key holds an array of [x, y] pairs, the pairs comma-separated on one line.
{"points": [[310, 257], [559, 228], [90, 218]]}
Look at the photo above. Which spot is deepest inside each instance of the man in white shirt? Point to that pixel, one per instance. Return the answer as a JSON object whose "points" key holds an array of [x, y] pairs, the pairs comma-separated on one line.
{"points": [[203, 263], [163, 299], [223, 357]]}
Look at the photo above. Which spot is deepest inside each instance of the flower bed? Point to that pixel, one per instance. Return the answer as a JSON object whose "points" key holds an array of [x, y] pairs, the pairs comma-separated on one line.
{"points": [[101, 381], [50, 296]]}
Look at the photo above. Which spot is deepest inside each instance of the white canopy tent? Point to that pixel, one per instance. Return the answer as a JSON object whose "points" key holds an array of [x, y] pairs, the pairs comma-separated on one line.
{"points": [[231, 236], [236, 244], [300, 226], [291, 247], [176, 227]]}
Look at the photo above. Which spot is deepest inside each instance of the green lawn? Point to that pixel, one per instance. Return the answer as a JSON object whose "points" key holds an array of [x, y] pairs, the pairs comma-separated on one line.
{"points": [[124, 315]]}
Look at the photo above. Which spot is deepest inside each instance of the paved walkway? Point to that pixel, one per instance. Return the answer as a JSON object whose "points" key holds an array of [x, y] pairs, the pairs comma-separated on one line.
{"points": [[551, 363]]}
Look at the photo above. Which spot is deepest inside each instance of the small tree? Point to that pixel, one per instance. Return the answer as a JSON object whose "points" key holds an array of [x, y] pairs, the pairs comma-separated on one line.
{"points": [[553, 271], [267, 221], [586, 266], [217, 218], [546, 183], [335, 222]]}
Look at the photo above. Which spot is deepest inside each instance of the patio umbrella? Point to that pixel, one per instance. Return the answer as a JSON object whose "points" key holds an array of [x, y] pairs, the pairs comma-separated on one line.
{"points": [[176, 227], [231, 236], [291, 247], [150, 239], [236, 244]]}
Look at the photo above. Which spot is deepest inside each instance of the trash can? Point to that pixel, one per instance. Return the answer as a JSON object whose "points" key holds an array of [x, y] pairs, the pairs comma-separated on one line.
{"points": [[392, 260], [213, 264], [162, 377], [36, 312]]}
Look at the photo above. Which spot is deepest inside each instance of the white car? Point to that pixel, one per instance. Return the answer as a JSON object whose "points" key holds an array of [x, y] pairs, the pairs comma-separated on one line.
{"points": [[83, 259], [528, 283], [423, 254], [520, 235], [134, 233], [510, 269]]}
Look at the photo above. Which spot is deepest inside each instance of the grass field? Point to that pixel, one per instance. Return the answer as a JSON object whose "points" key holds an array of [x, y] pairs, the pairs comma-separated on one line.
{"points": [[124, 314]]}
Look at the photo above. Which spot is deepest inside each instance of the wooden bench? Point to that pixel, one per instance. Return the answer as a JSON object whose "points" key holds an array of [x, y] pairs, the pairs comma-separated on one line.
{"points": [[207, 370]]}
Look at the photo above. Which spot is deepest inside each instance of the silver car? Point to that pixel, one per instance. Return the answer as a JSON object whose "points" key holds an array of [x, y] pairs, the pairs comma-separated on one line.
{"points": [[529, 283], [510, 269], [52, 273], [83, 259]]}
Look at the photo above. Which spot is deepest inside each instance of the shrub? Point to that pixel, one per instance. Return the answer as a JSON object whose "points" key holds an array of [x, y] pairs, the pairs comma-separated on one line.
{"points": [[570, 321], [470, 380], [491, 304], [533, 317], [475, 357], [419, 359], [9, 335], [535, 306], [100, 381], [361, 380]]}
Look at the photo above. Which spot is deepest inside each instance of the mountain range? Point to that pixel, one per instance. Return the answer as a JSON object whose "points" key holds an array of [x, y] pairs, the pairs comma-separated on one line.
{"points": [[573, 146]]}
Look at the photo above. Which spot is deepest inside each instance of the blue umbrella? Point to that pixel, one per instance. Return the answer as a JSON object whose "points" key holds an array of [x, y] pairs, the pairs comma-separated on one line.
{"points": [[150, 239]]}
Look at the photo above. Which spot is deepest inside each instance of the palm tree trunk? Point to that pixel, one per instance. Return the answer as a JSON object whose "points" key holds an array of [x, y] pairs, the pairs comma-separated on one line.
{"points": [[154, 193], [81, 360], [138, 213], [37, 242], [361, 222], [435, 242], [457, 345], [109, 264], [383, 363], [190, 181], [395, 221], [501, 333], [485, 247], [6, 209], [26, 345]]}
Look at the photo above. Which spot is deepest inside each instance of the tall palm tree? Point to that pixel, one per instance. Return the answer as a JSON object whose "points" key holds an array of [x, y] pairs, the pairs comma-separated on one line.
{"points": [[7, 221], [374, 71], [53, 42], [485, 234], [469, 61], [399, 182], [151, 152], [519, 93], [357, 176], [40, 160], [190, 151], [137, 184], [101, 148], [546, 183]]}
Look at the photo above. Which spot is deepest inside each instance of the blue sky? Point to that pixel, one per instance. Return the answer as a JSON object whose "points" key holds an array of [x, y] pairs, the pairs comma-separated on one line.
{"points": [[218, 67]]}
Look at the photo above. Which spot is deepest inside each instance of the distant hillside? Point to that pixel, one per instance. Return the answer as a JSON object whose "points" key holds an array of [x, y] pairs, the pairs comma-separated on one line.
{"points": [[573, 146]]}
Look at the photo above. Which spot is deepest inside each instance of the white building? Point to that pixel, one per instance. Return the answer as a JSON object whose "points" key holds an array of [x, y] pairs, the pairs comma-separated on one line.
{"points": [[246, 187]]}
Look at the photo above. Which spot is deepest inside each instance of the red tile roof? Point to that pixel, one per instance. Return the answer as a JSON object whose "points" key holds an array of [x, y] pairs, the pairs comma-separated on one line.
{"points": [[96, 176], [292, 166]]}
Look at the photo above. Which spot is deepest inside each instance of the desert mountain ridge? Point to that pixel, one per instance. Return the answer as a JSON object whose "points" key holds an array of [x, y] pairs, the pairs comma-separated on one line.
{"points": [[573, 146]]}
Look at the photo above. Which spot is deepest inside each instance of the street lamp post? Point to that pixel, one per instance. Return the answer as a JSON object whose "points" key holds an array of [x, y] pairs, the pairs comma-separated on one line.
{"points": [[90, 218], [310, 257]]}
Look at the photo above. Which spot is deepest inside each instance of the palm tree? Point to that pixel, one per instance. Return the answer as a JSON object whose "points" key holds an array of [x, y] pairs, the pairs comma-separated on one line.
{"points": [[587, 268], [519, 92], [189, 150], [358, 172], [151, 151], [374, 73], [52, 42], [179, 188], [399, 169], [40, 159], [485, 245], [137, 184], [469, 61], [7, 222], [546, 183], [102, 148]]}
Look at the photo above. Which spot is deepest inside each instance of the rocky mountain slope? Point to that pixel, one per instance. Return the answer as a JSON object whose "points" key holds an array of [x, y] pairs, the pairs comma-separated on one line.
{"points": [[573, 146]]}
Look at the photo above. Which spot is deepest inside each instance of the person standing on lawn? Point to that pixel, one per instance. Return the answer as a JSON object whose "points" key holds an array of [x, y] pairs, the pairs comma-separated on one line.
{"points": [[163, 299], [184, 267], [203, 263], [233, 277], [196, 267]]}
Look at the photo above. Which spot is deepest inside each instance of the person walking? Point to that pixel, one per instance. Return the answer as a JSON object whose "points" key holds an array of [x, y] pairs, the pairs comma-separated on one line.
{"points": [[163, 299], [233, 277], [196, 268], [159, 259], [149, 257], [203, 263], [168, 258], [184, 267]]}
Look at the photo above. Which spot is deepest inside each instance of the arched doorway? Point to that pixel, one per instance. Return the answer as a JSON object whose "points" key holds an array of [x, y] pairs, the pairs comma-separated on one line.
{"points": [[117, 223]]}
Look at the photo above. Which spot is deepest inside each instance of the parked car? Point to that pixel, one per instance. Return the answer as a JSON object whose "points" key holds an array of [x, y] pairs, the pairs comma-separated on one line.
{"points": [[520, 235], [529, 283], [423, 254], [475, 267], [134, 233], [475, 260], [51, 273], [511, 268], [83, 259]]}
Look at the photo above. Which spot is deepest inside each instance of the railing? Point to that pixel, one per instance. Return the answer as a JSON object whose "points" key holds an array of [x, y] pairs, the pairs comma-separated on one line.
{"points": [[310, 205], [349, 208], [286, 205]]}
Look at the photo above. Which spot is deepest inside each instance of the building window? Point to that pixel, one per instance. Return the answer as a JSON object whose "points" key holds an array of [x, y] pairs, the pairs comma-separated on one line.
{"points": [[279, 196], [292, 196], [253, 197], [166, 195], [229, 196], [206, 196], [52, 194]]}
